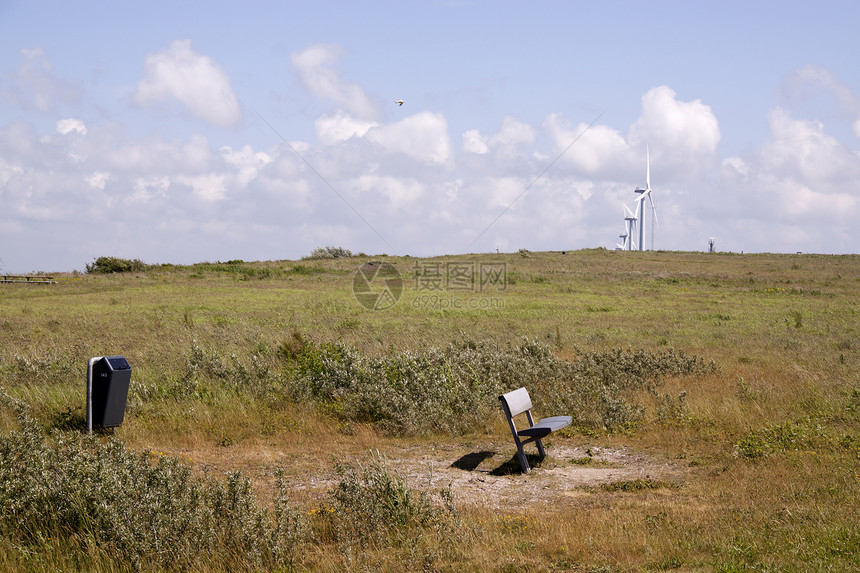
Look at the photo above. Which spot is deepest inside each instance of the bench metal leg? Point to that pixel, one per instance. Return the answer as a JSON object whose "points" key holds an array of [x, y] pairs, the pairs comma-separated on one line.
{"points": [[540, 448], [524, 462]]}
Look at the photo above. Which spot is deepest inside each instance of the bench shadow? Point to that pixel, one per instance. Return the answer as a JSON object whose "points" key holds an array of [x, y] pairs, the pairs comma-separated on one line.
{"points": [[470, 462], [512, 466]]}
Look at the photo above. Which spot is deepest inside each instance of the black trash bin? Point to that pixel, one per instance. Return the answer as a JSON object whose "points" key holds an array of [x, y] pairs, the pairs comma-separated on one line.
{"points": [[108, 378]]}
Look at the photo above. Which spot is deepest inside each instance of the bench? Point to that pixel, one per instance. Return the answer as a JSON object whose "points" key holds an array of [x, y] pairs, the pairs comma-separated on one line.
{"points": [[38, 280], [518, 402]]}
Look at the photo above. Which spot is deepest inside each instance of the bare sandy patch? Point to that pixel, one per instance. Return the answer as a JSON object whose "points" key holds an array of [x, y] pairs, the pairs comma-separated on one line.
{"points": [[485, 474]]}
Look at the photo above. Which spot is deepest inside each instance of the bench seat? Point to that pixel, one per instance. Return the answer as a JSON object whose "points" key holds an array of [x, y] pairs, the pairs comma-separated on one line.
{"points": [[546, 426]]}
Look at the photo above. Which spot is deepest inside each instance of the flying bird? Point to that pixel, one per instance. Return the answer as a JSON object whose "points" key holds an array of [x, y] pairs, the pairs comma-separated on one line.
{"points": [[398, 101]]}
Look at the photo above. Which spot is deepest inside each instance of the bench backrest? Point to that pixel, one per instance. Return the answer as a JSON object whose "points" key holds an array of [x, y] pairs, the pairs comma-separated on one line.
{"points": [[517, 401]]}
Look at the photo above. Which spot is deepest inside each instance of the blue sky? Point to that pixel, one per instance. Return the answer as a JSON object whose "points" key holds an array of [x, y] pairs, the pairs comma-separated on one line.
{"points": [[154, 130]]}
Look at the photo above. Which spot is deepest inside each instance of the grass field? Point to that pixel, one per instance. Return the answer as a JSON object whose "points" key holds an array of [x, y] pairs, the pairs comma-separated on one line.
{"points": [[276, 423]]}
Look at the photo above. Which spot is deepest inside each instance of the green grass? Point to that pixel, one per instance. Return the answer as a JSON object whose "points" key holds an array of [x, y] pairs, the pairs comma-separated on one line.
{"points": [[238, 358]]}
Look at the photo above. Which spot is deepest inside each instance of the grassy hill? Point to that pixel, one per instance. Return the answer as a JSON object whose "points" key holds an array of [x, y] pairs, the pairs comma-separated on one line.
{"points": [[715, 396]]}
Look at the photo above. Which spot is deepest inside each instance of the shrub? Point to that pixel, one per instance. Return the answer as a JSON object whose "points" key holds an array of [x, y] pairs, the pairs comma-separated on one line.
{"points": [[451, 390], [456, 389], [374, 506], [145, 510], [328, 253], [115, 265]]}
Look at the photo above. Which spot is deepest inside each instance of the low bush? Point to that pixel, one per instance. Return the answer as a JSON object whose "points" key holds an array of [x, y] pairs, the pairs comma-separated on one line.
{"points": [[451, 390], [328, 253], [372, 505], [147, 511], [115, 265], [456, 389], [89, 495]]}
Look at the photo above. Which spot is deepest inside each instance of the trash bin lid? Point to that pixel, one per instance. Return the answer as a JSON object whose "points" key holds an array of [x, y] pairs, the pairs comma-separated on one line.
{"points": [[118, 363]]}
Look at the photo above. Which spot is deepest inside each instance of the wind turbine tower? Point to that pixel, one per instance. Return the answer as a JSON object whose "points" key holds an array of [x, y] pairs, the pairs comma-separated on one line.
{"points": [[640, 204], [629, 231], [629, 227]]}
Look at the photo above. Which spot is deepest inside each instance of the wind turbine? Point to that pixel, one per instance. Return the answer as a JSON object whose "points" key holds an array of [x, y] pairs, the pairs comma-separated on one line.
{"points": [[640, 204], [629, 227], [629, 230]]}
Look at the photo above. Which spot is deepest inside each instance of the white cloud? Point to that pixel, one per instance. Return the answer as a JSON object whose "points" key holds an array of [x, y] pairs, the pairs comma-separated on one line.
{"points": [[208, 186], [583, 188], [503, 192], [513, 133], [122, 153], [507, 143], [474, 142], [339, 126], [316, 70], [811, 85], [8, 171], [246, 162], [513, 136], [683, 133], [806, 202], [33, 86], [98, 179], [245, 157], [145, 190], [797, 188], [399, 192], [423, 136], [802, 149], [69, 125], [197, 81], [592, 150]]}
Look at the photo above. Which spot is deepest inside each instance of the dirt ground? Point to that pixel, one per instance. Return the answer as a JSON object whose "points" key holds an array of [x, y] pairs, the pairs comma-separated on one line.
{"points": [[486, 474], [494, 478]]}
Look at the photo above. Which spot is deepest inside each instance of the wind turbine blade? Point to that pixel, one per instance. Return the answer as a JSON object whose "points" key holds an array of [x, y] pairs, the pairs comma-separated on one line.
{"points": [[647, 168], [653, 208]]}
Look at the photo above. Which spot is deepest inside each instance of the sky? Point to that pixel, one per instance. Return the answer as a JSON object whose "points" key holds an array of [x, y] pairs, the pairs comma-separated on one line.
{"points": [[183, 132]]}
